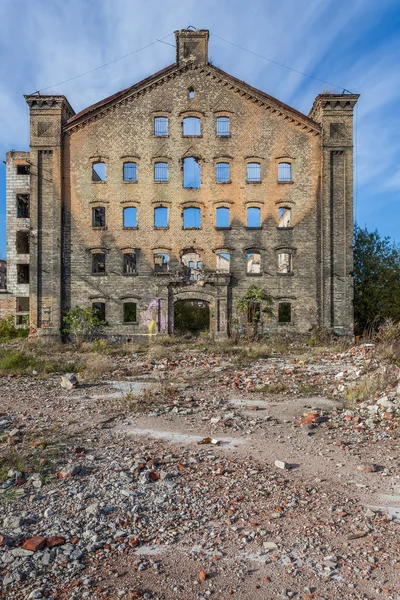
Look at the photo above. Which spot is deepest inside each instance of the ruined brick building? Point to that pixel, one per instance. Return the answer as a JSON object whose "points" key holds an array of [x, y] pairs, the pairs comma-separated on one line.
{"points": [[189, 185]]}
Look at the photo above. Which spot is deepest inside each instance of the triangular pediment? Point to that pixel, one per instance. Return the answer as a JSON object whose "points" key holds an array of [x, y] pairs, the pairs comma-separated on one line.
{"points": [[243, 89]]}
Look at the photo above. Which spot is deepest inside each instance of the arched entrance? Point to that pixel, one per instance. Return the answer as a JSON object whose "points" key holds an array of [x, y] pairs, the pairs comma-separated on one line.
{"points": [[191, 316]]}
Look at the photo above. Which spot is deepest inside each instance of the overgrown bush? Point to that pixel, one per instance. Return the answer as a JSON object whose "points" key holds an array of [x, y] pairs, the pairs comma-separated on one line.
{"points": [[253, 309], [83, 324], [9, 331]]}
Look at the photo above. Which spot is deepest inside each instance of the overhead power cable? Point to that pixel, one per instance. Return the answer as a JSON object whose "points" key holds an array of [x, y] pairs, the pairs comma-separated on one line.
{"points": [[281, 65], [49, 87]]}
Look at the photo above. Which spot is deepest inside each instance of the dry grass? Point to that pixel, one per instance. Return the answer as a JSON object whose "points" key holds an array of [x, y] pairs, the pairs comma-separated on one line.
{"points": [[96, 366]]}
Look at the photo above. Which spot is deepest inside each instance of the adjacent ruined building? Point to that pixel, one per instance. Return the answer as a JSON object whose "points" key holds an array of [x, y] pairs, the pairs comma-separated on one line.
{"points": [[188, 186]]}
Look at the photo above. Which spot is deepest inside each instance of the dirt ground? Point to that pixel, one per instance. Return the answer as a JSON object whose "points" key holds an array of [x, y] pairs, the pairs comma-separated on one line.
{"points": [[187, 474]]}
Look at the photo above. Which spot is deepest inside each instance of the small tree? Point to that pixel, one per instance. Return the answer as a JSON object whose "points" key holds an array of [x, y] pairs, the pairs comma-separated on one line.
{"points": [[253, 309], [83, 324]]}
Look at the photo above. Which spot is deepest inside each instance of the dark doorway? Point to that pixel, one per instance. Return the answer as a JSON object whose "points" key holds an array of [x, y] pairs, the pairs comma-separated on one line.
{"points": [[191, 316]]}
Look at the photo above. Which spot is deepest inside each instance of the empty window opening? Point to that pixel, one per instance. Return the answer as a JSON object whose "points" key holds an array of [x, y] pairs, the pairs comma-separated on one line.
{"points": [[285, 312], [191, 218], [223, 126], [130, 263], [130, 312], [191, 172], [223, 262], [191, 126], [161, 262], [130, 171], [223, 172], [191, 93], [99, 263], [161, 217], [192, 261], [253, 172], [161, 126], [284, 171], [99, 309], [284, 214], [99, 217], [22, 320], [130, 216], [191, 316], [22, 206], [222, 218], [99, 171], [161, 171], [22, 273], [23, 169], [22, 305], [254, 312], [284, 262], [253, 217], [253, 262], [22, 242]]}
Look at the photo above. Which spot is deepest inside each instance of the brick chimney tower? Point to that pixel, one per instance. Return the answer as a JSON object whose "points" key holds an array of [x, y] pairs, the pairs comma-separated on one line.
{"points": [[191, 46]]}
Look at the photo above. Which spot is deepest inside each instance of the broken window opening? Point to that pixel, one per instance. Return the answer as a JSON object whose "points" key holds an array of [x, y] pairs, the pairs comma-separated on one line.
{"points": [[130, 216], [98, 263], [99, 216], [254, 312], [130, 171], [23, 206], [285, 312], [223, 126], [191, 126], [253, 217], [23, 169], [22, 273], [284, 171], [223, 262], [130, 263], [284, 262], [130, 312], [99, 309], [22, 304], [22, 320], [253, 172], [253, 262], [191, 93], [222, 218], [222, 172], [161, 172], [99, 171], [161, 126], [284, 216], [160, 217], [22, 242], [193, 262], [161, 262], [191, 218], [191, 173]]}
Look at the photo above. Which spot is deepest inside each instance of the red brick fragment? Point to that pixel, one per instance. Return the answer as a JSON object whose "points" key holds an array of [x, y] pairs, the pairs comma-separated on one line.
{"points": [[34, 543], [55, 540]]}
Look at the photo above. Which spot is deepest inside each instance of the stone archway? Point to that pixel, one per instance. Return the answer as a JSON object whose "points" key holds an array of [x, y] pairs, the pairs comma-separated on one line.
{"points": [[191, 316], [216, 300]]}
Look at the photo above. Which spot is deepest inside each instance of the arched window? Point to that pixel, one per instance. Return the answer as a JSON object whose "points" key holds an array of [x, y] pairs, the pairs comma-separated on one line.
{"points": [[99, 216], [223, 127], [161, 262], [130, 173], [100, 310], [222, 217], [253, 217], [161, 126], [222, 172], [191, 218], [284, 171], [192, 261], [130, 216], [253, 262], [223, 262], [284, 215], [130, 263], [284, 262], [253, 172], [284, 312], [191, 172], [160, 217], [160, 171], [99, 171], [191, 126], [191, 93], [98, 263]]}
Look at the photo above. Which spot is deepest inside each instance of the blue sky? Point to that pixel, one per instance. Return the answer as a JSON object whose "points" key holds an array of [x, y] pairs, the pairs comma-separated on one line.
{"points": [[354, 44]]}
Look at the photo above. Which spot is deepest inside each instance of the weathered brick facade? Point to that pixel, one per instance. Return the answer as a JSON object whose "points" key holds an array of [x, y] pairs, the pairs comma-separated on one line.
{"points": [[301, 249]]}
